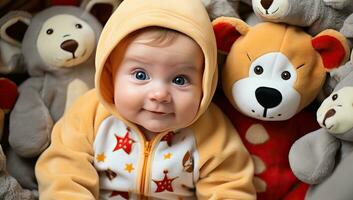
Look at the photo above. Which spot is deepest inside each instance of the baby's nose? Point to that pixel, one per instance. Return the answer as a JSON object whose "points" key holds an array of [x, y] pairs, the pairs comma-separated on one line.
{"points": [[160, 94]]}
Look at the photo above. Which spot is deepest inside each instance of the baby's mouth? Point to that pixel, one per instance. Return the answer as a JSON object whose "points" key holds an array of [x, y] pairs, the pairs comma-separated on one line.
{"points": [[157, 112]]}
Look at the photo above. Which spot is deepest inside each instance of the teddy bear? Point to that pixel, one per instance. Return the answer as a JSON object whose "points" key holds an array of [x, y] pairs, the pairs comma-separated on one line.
{"points": [[10, 189], [318, 158], [315, 15], [272, 72], [58, 47], [11, 59], [229, 8], [336, 75]]}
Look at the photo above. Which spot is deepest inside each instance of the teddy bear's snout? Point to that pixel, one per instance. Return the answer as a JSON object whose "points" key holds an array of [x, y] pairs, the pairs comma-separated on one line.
{"points": [[70, 46], [268, 97], [329, 114]]}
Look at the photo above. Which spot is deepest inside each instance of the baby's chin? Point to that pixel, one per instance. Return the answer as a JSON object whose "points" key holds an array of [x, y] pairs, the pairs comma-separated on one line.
{"points": [[156, 129]]}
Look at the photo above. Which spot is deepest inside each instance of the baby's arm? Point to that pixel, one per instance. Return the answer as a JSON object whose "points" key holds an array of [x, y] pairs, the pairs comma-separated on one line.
{"points": [[65, 170], [226, 169]]}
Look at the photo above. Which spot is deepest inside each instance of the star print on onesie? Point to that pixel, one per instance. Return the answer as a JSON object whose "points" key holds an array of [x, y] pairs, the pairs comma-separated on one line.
{"points": [[125, 195], [165, 184], [124, 143]]}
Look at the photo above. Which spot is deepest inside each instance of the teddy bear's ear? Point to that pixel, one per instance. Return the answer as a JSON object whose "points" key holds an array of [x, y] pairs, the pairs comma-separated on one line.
{"points": [[227, 31], [101, 9], [333, 48], [13, 26]]}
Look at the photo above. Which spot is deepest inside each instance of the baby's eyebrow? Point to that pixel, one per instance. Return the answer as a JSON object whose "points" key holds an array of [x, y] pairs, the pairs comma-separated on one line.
{"points": [[190, 68], [135, 59]]}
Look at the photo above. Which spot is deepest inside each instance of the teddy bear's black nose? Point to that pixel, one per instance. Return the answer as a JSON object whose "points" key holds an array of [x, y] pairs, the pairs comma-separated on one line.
{"points": [[69, 45], [268, 97], [266, 3]]}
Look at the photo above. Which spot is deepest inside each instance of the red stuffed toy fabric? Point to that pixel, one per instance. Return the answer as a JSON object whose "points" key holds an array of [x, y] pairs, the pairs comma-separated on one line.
{"points": [[269, 143], [8, 96]]}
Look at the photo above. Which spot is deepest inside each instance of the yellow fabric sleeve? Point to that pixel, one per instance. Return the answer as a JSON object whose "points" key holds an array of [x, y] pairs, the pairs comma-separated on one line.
{"points": [[65, 170], [226, 168]]}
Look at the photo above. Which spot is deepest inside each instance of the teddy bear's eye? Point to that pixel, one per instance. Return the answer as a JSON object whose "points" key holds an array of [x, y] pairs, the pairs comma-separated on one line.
{"points": [[285, 75], [50, 31], [334, 97], [78, 26], [258, 70]]}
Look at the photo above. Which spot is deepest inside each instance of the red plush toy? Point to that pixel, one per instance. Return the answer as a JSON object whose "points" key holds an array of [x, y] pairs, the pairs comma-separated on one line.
{"points": [[272, 72], [8, 96]]}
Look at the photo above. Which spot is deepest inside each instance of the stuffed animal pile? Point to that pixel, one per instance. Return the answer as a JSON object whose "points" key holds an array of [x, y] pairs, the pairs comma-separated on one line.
{"points": [[315, 15], [230, 8], [9, 187], [323, 158], [272, 72], [58, 49]]}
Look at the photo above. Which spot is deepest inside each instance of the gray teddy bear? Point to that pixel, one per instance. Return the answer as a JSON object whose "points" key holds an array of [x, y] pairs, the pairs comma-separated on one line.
{"points": [[10, 189], [229, 8], [58, 47], [316, 15], [323, 158]]}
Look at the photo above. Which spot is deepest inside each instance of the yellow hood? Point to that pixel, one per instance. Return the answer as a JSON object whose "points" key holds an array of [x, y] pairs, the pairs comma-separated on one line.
{"points": [[186, 16]]}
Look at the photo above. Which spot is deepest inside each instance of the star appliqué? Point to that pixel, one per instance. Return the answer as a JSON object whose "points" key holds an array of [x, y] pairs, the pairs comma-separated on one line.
{"points": [[167, 156], [124, 143], [100, 157], [129, 167], [125, 195], [165, 184]]}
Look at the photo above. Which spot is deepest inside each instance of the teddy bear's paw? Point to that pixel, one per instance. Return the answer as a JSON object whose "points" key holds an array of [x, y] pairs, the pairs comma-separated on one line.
{"points": [[312, 157]]}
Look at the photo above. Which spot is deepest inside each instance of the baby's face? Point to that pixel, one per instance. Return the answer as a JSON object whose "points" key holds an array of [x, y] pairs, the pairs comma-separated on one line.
{"points": [[159, 87]]}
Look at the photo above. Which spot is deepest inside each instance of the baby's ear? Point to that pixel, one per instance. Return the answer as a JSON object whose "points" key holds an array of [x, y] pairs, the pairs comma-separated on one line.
{"points": [[13, 26], [227, 31], [332, 47], [101, 9]]}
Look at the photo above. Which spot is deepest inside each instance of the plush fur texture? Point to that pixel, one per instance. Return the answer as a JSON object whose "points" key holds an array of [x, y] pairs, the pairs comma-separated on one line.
{"points": [[272, 72], [11, 59], [315, 15], [228, 8], [58, 48], [336, 75], [10, 189], [319, 158]]}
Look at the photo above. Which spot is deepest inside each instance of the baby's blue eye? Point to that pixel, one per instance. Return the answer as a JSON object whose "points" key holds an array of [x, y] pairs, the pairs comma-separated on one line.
{"points": [[180, 80], [141, 75]]}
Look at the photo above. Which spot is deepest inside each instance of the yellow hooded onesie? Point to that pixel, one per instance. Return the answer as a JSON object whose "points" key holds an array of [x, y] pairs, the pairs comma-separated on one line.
{"points": [[97, 154]]}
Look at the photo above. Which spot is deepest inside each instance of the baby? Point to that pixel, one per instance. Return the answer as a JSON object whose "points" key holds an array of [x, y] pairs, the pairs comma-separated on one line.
{"points": [[148, 129]]}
